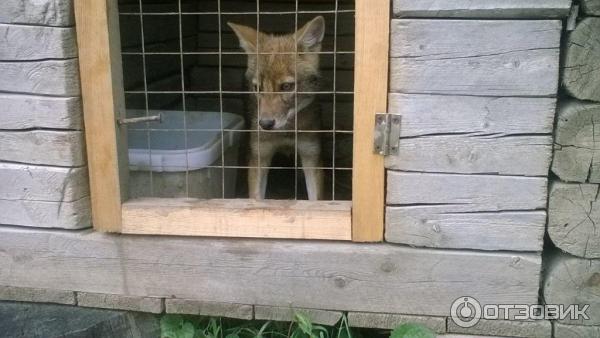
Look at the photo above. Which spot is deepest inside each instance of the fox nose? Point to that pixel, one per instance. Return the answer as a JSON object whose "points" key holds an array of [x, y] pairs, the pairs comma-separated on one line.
{"points": [[266, 124]]}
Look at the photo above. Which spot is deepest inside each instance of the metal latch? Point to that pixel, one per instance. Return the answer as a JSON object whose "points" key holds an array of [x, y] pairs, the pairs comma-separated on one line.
{"points": [[133, 120], [387, 134]]}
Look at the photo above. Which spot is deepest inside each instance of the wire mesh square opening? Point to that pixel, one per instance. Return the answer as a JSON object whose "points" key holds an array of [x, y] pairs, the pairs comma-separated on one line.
{"points": [[255, 98]]}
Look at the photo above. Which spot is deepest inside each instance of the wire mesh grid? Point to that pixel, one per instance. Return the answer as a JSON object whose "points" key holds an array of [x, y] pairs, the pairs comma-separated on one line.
{"points": [[181, 60]]}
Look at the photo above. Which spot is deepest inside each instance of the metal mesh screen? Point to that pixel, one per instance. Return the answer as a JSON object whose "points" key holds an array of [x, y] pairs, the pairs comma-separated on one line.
{"points": [[182, 61]]}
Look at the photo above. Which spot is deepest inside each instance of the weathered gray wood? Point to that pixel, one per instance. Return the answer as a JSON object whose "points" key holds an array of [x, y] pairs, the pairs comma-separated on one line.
{"points": [[577, 142], [119, 302], [30, 111], [572, 280], [474, 153], [43, 214], [442, 114], [41, 183], [482, 9], [591, 7], [475, 57], [52, 77], [337, 276], [575, 331], [38, 12], [466, 193], [391, 321], [57, 148], [581, 70], [19, 294], [286, 314], [573, 212], [213, 309], [451, 39], [506, 328], [443, 227], [20, 42]]}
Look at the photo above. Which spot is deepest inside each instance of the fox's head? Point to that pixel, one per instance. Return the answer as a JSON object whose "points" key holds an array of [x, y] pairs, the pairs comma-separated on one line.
{"points": [[279, 66]]}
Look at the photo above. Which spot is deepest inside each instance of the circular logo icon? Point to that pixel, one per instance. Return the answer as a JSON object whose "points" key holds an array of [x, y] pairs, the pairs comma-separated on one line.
{"points": [[465, 311]]}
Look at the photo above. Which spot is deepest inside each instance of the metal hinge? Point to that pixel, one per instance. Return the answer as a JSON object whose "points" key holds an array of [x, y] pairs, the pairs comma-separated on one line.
{"points": [[387, 134]]}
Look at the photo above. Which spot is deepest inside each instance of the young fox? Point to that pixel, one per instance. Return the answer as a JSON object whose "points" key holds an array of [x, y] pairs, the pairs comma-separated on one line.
{"points": [[280, 67]]}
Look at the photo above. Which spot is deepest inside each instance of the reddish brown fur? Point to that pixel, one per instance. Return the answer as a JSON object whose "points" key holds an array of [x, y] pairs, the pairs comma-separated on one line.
{"points": [[280, 60]]}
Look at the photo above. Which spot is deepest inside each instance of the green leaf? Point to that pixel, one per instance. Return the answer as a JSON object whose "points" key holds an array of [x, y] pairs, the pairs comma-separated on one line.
{"points": [[187, 330], [304, 323], [412, 331]]}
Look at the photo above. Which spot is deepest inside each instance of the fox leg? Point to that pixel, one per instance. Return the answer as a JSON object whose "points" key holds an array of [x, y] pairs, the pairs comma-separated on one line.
{"points": [[310, 155], [258, 176]]}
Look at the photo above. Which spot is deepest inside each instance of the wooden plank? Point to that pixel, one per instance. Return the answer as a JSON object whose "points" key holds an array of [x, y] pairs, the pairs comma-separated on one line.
{"points": [[572, 214], [17, 294], [118, 302], [103, 102], [467, 192], [495, 9], [571, 280], [46, 214], [391, 321], [287, 314], [506, 328], [575, 331], [456, 57], [370, 97], [442, 227], [580, 72], [30, 111], [337, 276], [46, 147], [37, 12], [213, 309], [474, 153], [577, 142], [41, 183], [450, 39], [50, 77], [20, 42], [238, 218], [441, 114]]}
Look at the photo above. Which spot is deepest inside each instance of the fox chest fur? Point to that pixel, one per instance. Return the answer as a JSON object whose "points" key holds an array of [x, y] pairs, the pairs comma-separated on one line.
{"points": [[283, 73]]}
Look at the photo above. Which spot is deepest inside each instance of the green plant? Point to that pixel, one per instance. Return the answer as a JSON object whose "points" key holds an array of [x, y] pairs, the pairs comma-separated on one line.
{"points": [[412, 331], [178, 326]]}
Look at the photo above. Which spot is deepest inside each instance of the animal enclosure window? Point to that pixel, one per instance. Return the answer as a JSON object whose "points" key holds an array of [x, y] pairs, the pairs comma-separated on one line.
{"points": [[230, 99]]}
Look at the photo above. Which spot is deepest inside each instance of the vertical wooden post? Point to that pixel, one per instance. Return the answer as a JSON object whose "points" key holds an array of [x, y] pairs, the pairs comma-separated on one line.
{"points": [[103, 100], [370, 96]]}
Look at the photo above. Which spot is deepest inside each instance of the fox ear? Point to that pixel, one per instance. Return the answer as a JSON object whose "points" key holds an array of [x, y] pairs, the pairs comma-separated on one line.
{"points": [[248, 37], [311, 34]]}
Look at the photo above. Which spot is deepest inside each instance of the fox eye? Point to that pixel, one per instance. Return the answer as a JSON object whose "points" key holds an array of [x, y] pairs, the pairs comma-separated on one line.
{"points": [[286, 87]]}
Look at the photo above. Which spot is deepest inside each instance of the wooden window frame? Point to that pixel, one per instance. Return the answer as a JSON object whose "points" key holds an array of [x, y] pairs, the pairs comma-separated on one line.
{"points": [[359, 220]]}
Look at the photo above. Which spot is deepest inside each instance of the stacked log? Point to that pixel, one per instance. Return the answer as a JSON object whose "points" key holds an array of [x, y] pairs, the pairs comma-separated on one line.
{"points": [[572, 273]]}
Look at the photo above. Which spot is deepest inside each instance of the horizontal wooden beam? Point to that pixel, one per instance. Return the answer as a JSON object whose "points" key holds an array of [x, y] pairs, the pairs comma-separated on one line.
{"points": [[19, 111], [299, 274], [44, 147], [467, 193], [238, 218], [21, 42], [475, 57], [493, 9], [37, 12]]}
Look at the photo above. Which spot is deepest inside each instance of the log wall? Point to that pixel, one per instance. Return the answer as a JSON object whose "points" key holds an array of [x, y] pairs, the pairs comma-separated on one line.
{"points": [[42, 153]]}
